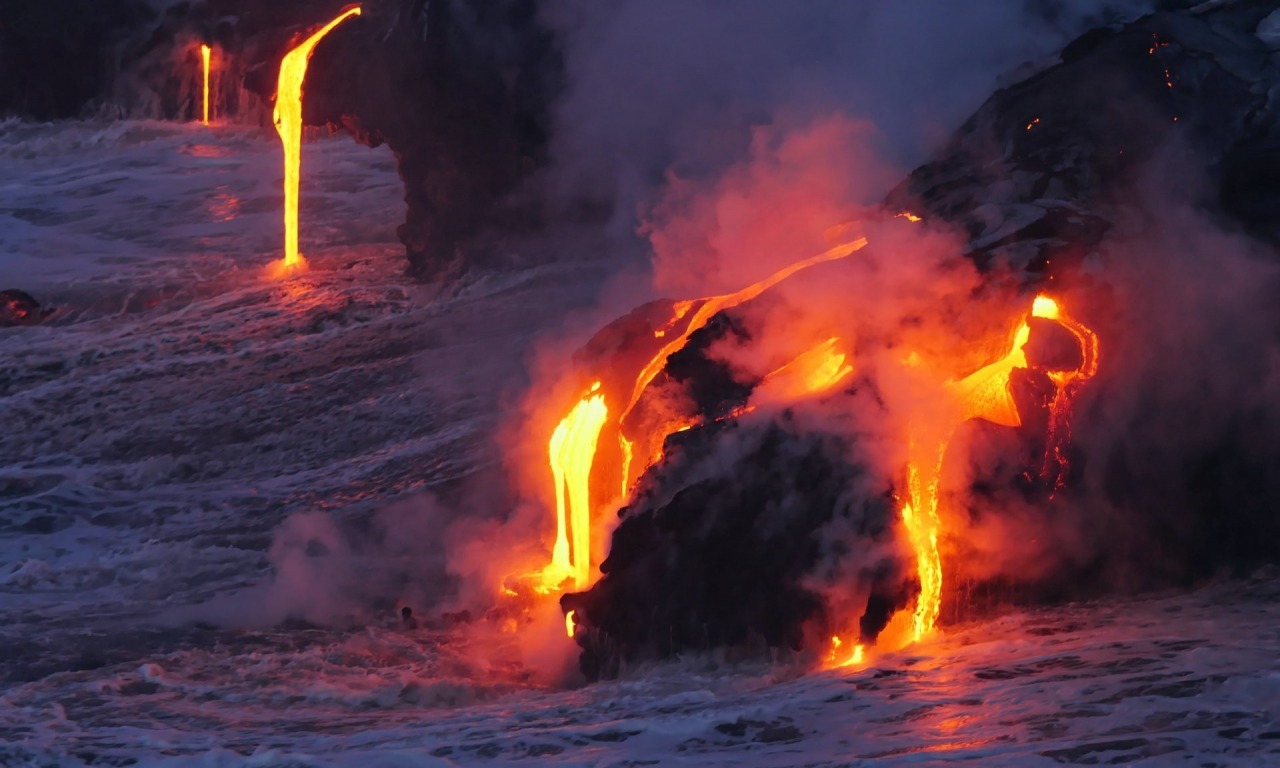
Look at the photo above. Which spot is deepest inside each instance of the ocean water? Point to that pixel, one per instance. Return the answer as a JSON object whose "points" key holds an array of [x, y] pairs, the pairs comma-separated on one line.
{"points": [[182, 427]]}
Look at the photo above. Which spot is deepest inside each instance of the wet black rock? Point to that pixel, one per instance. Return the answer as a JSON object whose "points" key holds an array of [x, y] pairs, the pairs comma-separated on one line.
{"points": [[19, 308], [725, 546], [461, 91]]}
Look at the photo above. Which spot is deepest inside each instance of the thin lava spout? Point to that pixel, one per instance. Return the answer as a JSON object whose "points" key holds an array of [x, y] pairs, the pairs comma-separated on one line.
{"points": [[288, 121]]}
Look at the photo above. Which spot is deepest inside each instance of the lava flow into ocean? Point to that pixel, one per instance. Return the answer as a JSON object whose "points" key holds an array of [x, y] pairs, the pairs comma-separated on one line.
{"points": [[703, 382]]}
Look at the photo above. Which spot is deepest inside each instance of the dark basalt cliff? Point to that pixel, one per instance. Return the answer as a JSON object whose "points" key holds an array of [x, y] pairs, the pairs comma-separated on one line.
{"points": [[461, 93]]}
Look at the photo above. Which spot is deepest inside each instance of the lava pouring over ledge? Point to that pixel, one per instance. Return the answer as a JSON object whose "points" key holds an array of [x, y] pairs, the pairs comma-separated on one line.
{"points": [[288, 122], [205, 55], [983, 394], [572, 449]]}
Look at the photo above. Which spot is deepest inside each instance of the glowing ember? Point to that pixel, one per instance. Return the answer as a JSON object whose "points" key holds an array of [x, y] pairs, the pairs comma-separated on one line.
{"points": [[205, 53], [288, 120], [1033, 123], [568, 622], [572, 451]]}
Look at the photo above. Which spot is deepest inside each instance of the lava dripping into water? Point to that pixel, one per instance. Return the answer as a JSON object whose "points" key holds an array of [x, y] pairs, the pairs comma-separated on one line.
{"points": [[572, 452], [288, 122], [205, 56]]}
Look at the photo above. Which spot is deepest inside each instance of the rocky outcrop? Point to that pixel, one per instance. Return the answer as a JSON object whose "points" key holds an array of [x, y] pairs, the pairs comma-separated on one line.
{"points": [[729, 559], [460, 92], [1037, 172]]}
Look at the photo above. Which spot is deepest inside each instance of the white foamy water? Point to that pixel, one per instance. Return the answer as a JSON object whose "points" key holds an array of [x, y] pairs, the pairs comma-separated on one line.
{"points": [[179, 412]]}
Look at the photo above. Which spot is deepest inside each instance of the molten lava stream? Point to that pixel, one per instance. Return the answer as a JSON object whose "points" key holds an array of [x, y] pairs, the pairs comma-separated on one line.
{"points": [[572, 451], [288, 121], [812, 372], [573, 445], [714, 304], [983, 394], [205, 54]]}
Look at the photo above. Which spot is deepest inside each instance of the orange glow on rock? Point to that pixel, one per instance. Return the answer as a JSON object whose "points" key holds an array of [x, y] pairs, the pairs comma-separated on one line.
{"points": [[288, 121], [205, 55], [712, 305]]}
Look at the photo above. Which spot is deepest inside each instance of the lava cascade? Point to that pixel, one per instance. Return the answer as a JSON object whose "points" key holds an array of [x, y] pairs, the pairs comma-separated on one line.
{"points": [[205, 56], [983, 394], [288, 122], [572, 447]]}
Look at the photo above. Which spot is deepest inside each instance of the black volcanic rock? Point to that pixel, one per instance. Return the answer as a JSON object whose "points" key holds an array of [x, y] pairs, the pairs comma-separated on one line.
{"points": [[460, 91], [1039, 178], [722, 547], [1036, 172]]}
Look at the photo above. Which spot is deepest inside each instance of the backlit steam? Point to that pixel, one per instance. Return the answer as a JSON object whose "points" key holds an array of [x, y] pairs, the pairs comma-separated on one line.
{"points": [[288, 121], [205, 54]]}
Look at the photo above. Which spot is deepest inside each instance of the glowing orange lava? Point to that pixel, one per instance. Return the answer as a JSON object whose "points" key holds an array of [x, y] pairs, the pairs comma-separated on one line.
{"points": [[205, 53], [813, 372], [1066, 384], [572, 447], [984, 394], [714, 304], [855, 657], [572, 451], [288, 120]]}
